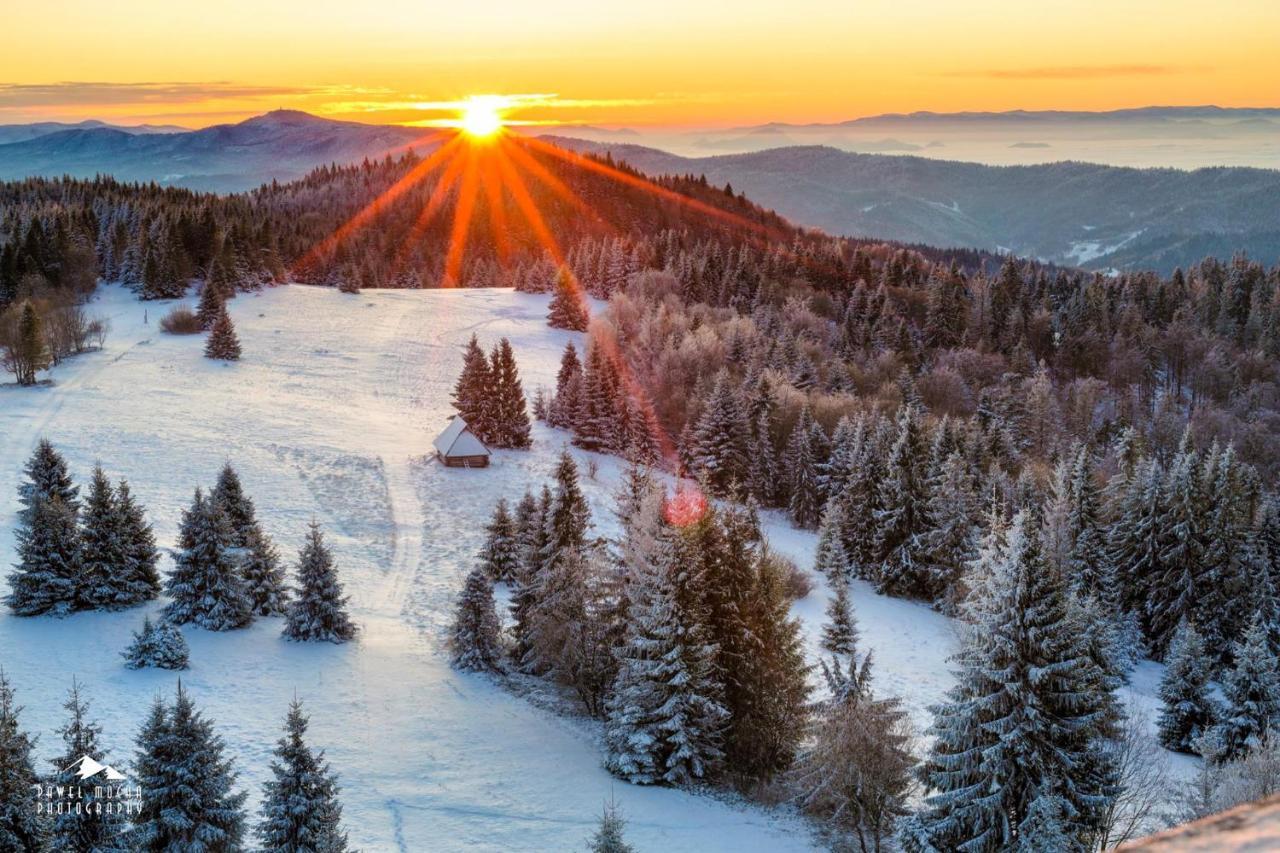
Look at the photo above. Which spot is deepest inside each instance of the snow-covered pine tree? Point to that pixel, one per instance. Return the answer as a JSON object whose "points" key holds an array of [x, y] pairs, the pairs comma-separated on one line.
{"points": [[46, 477], [1252, 693], [951, 541], [140, 579], [301, 812], [229, 494], [22, 827], [222, 344], [531, 519], [663, 718], [801, 467], [609, 837], [1087, 565], [318, 610], [93, 825], [212, 303], [831, 559], [473, 393], [500, 558], [1189, 711], [596, 421], [205, 585], [568, 389], [903, 519], [1022, 724], [187, 801], [1135, 537], [474, 640], [1172, 596], [47, 576], [264, 576], [719, 443], [840, 631], [103, 549], [510, 411], [568, 309], [157, 644]]}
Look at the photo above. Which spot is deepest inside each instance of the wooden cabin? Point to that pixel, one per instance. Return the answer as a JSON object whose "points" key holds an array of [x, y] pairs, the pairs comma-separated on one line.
{"points": [[459, 447]]}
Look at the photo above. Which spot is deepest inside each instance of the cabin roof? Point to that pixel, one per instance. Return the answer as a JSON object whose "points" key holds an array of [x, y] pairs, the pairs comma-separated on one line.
{"points": [[458, 440]]}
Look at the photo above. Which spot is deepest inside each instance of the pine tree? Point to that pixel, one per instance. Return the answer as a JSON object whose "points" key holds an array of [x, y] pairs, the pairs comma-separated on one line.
{"points": [[264, 578], [718, 450], [93, 826], [187, 801], [663, 717], [212, 303], [229, 495], [903, 520], [609, 836], [47, 576], [205, 585], [319, 609], [46, 477], [1018, 737], [475, 636], [22, 827], [159, 644], [568, 389], [531, 517], [103, 549], [500, 558], [1252, 693], [510, 411], [473, 394], [222, 345], [950, 542], [300, 809], [139, 578], [831, 559], [801, 465], [596, 421], [1189, 711], [840, 632], [568, 309]]}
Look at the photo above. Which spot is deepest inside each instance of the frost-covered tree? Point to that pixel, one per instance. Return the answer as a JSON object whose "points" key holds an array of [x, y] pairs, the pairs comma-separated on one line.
{"points": [[1020, 736], [840, 631], [46, 477], [103, 549], [205, 585], [229, 495], [222, 344], [951, 540], [140, 579], [500, 558], [831, 559], [213, 302], [719, 442], [510, 413], [800, 463], [264, 576], [300, 809], [47, 576], [94, 825], [1189, 710], [187, 800], [568, 389], [609, 837], [663, 718], [474, 640], [157, 644], [596, 421], [318, 610], [903, 519], [472, 395], [22, 827], [568, 309], [1252, 693]]}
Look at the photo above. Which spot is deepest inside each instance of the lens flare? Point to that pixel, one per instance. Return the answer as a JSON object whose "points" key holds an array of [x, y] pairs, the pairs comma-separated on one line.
{"points": [[482, 116]]}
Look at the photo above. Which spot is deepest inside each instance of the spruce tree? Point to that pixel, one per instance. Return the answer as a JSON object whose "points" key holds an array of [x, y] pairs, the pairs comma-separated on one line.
{"points": [[205, 585], [903, 520], [609, 837], [719, 446], [319, 609], [832, 558], [596, 421], [47, 575], [1252, 693], [222, 344], [229, 495], [22, 827], [187, 800], [1189, 711], [140, 580], [473, 393], [212, 304], [157, 644], [300, 809], [475, 635], [568, 389], [801, 466], [568, 309], [46, 477], [840, 631], [94, 825], [510, 411], [501, 555], [104, 549], [951, 540], [264, 577]]}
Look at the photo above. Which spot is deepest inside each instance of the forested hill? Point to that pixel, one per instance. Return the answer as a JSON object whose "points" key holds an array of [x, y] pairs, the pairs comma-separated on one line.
{"points": [[386, 224]]}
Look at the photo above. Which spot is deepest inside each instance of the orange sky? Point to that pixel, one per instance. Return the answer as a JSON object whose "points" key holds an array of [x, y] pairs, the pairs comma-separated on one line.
{"points": [[656, 62]]}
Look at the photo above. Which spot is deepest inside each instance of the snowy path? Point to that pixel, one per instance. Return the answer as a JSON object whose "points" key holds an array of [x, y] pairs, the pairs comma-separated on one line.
{"points": [[329, 417]]}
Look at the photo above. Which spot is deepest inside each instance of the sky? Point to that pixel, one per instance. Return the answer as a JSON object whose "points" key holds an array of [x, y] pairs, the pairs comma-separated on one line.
{"points": [[704, 63]]}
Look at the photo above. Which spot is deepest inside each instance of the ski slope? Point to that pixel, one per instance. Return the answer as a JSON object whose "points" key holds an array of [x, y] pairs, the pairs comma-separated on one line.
{"points": [[330, 416]]}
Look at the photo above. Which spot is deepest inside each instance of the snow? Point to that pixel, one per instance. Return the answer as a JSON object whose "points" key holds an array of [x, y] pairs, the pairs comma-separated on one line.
{"points": [[330, 415]]}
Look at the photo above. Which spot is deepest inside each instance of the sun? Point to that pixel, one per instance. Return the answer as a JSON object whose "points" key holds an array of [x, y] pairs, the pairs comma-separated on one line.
{"points": [[482, 116]]}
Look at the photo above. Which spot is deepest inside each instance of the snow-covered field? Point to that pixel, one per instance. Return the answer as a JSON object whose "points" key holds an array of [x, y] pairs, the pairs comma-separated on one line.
{"points": [[330, 415]]}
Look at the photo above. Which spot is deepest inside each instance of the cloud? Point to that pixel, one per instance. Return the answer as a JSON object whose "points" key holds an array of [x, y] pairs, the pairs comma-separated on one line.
{"points": [[1071, 72], [15, 96]]}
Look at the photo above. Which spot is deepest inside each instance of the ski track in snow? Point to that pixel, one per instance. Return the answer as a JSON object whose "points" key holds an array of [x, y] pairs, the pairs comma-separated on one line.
{"points": [[330, 415]]}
